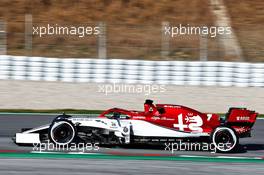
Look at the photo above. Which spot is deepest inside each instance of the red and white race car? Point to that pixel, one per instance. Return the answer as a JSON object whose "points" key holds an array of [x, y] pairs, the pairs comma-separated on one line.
{"points": [[157, 123]]}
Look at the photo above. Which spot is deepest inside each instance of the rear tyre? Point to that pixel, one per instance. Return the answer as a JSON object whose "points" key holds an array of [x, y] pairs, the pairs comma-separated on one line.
{"points": [[224, 139], [62, 132]]}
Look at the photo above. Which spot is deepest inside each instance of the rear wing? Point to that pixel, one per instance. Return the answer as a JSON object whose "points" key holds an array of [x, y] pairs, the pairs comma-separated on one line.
{"points": [[241, 117]]}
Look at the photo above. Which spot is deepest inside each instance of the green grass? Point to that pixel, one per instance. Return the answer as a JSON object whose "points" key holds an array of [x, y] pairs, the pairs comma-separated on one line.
{"points": [[118, 157], [261, 116]]}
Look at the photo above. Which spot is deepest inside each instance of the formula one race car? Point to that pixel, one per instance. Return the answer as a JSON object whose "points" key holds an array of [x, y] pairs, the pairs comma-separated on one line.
{"points": [[161, 122]]}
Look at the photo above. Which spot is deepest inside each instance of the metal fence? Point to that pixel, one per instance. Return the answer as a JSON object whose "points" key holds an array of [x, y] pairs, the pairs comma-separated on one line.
{"points": [[132, 71], [123, 41]]}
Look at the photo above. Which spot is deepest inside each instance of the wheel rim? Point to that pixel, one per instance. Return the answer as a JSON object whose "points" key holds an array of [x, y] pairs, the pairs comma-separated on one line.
{"points": [[62, 133], [224, 139]]}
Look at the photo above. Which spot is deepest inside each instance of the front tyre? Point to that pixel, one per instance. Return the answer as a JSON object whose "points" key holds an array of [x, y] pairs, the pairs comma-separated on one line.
{"points": [[224, 139], [62, 132]]}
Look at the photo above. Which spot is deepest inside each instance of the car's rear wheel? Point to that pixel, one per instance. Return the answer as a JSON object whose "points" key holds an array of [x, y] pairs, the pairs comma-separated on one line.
{"points": [[62, 132], [224, 139]]}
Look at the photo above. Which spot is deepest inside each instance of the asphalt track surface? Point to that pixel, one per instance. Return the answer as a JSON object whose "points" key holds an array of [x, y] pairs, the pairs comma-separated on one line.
{"points": [[12, 123], [127, 167]]}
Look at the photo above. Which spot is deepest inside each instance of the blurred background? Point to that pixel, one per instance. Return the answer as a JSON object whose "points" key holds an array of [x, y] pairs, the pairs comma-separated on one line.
{"points": [[65, 71], [133, 29]]}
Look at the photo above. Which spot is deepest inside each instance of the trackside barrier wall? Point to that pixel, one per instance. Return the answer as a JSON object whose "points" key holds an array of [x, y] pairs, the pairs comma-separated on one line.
{"points": [[208, 73]]}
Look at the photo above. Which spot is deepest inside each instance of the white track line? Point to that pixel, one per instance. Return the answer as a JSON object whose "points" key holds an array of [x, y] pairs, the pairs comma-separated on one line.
{"points": [[186, 156], [220, 157], [236, 157], [193, 156]]}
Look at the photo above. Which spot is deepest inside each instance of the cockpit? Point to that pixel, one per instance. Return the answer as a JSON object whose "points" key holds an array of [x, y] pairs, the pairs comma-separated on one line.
{"points": [[117, 115]]}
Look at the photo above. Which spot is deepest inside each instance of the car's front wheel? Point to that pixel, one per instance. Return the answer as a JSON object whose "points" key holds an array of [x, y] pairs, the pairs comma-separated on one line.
{"points": [[224, 139], [62, 132]]}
